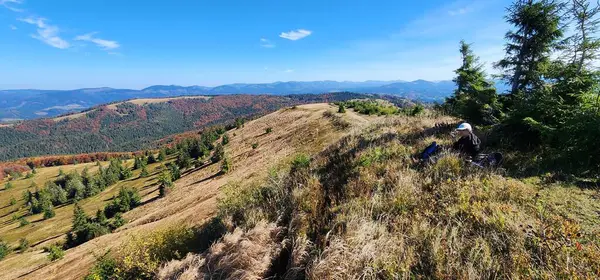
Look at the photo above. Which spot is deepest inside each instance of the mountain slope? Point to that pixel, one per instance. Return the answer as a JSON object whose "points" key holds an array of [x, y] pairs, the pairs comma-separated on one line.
{"points": [[135, 125], [29, 104], [194, 197], [362, 209], [355, 207]]}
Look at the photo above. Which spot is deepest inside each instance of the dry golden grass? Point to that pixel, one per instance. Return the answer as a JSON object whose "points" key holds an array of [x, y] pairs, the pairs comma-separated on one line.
{"points": [[363, 210], [144, 101], [194, 197], [239, 255]]}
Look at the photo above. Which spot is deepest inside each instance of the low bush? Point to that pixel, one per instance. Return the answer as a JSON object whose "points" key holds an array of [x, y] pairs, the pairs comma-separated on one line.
{"points": [[23, 245], [141, 256], [4, 249], [23, 222], [54, 252]]}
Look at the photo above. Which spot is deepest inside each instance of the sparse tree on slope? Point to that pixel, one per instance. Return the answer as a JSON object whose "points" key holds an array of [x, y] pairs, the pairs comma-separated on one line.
{"points": [[475, 98], [218, 153]]}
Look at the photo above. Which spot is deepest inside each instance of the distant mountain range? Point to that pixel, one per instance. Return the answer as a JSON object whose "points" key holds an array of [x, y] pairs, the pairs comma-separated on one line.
{"points": [[31, 103]]}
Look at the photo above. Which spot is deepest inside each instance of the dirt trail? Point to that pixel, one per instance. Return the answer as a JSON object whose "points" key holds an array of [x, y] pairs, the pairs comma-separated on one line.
{"points": [[194, 198]]}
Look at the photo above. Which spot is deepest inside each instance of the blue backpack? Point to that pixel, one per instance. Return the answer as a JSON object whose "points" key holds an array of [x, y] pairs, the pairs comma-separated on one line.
{"points": [[429, 151]]}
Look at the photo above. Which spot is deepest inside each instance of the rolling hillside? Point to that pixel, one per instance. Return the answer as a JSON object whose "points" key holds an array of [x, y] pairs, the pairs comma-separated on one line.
{"points": [[192, 201], [137, 124], [31, 103], [314, 194]]}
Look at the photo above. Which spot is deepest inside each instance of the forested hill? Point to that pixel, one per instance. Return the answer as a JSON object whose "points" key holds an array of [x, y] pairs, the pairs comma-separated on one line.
{"points": [[136, 124]]}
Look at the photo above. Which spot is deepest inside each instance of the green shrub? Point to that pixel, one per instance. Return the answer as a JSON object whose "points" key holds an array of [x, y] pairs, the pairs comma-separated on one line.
{"points": [[23, 245], [417, 110], [175, 172], [13, 201], [254, 146], [268, 130], [225, 165], [301, 161], [165, 182], [218, 153], [341, 108], [144, 172], [49, 213], [225, 139], [127, 199], [29, 176], [373, 107], [4, 249], [8, 186], [105, 268], [23, 222], [54, 252], [371, 156], [142, 255], [118, 221], [162, 155]]}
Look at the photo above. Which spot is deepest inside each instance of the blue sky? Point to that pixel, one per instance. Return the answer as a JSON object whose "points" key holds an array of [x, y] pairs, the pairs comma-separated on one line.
{"points": [[66, 44]]}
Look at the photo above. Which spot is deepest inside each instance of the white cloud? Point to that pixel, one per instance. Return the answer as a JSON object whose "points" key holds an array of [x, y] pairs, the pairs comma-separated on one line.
{"points": [[266, 43], [460, 11], [295, 34], [288, 71], [12, 27], [104, 44], [7, 4], [47, 33]]}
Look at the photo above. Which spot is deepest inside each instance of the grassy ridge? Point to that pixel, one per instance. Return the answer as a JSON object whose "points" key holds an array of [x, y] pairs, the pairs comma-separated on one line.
{"points": [[363, 209]]}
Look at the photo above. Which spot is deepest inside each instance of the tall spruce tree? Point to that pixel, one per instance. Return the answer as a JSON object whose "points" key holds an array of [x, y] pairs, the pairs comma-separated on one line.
{"points": [[536, 32], [582, 46], [475, 98]]}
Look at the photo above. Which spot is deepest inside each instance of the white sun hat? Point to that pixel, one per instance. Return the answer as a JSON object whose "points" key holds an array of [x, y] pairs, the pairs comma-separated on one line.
{"points": [[465, 126]]}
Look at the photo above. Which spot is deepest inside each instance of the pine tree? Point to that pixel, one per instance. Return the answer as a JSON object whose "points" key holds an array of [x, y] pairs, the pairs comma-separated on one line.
{"points": [[225, 139], [225, 165], [49, 213], [218, 153], [57, 194], [151, 159], [80, 219], [101, 217], [165, 183], [175, 172], [75, 189], [475, 98], [162, 155], [536, 33], [144, 172], [583, 46], [125, 173], [184, 160]]}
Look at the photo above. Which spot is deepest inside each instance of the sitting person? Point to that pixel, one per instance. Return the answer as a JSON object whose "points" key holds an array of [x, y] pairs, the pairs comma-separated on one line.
{"points": [[469, 144]]}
